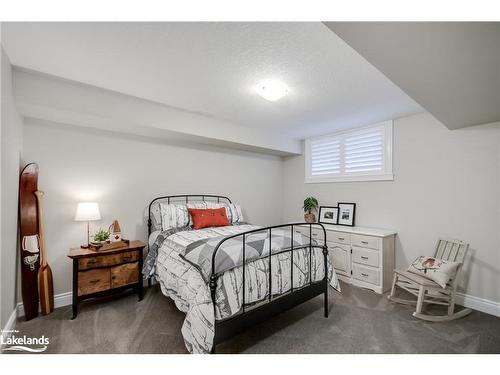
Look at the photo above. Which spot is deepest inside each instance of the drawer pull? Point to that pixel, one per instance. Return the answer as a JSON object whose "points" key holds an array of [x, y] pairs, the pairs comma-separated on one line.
{"points": [[94, 281], [363, 257], [341, 238], [91, 261], [127, 257], [364, 242], [364, 274]]}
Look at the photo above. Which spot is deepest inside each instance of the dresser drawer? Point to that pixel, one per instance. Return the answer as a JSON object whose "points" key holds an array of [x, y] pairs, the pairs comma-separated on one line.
{"points": [[365, 256], [93, 281], [339, 255], [365, 241], [124, 274], [338, 237], [316, 233], [366, 274]]}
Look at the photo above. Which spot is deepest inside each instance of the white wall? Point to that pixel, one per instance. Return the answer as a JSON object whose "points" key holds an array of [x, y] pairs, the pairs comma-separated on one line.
{"points": [[446, 184], [11, 145], [123, 173]]}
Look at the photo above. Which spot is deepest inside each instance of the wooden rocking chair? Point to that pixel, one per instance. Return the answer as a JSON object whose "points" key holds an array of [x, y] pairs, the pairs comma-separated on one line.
{"points": [[427, 291]]}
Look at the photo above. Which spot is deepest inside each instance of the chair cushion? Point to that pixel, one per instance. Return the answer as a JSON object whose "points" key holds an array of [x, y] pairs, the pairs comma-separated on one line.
{"points": [[437, 270]]}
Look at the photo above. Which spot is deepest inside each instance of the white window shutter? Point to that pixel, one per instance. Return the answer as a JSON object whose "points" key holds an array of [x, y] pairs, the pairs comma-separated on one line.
{"points": [[354, 155]]}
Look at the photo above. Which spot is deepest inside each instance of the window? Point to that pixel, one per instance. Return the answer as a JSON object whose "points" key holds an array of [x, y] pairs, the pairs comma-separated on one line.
{"points": [[363, 154]]}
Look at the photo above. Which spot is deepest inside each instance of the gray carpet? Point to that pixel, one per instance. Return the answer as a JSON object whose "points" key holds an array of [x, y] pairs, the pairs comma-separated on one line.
{"points": [[360, 322]]}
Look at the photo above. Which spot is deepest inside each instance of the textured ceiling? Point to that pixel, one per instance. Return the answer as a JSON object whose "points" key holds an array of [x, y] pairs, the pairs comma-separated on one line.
{"points": [[211, 68]]}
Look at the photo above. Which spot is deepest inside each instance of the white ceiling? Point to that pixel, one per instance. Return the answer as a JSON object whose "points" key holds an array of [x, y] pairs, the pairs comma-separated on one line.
{"points": [[450, 68], [210, 68]]}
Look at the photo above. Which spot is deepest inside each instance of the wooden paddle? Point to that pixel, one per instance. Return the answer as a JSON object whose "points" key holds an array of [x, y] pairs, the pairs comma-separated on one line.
{"points": [[45, 283]]}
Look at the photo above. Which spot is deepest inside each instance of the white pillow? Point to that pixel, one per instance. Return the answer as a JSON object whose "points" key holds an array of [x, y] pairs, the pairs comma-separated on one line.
{"points": [[173, 216], [438, 270], [234, 213]]}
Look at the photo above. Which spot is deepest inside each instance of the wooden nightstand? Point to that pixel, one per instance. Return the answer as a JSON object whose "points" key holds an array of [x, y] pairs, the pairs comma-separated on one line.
{"points": [[107, 272]]}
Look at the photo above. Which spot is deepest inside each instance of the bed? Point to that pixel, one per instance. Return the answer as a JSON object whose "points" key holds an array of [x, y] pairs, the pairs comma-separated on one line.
{"points": [[229, 278]]}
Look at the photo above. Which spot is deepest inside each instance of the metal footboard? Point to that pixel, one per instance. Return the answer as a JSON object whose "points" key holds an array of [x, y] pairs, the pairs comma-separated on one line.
{"points": [[228, 327]]}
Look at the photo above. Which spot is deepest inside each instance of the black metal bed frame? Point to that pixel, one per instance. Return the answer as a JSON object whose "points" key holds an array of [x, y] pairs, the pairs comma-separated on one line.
{"points": [[260, 312]]}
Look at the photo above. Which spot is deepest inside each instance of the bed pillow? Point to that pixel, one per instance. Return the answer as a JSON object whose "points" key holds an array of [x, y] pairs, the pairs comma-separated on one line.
{"points": [[234, 212], [173, 216], [208, 217], [438, 270]]}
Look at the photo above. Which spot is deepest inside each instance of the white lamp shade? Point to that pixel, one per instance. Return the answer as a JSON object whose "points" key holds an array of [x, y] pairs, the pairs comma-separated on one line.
{"points": [[87, 211]]}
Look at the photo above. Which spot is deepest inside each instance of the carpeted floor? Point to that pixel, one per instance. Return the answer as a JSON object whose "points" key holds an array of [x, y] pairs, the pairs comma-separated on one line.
{"points": [[360, 322]]}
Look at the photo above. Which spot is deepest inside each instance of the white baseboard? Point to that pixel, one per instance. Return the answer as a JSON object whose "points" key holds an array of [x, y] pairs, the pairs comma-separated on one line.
{"points": [[9, 326], [60, 300], [485, 305]]}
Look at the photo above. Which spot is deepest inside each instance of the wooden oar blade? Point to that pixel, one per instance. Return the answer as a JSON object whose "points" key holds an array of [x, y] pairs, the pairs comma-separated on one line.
{"points": [[46, 290]]}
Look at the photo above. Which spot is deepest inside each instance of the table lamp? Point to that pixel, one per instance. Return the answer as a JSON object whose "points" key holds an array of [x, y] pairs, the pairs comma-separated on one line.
{"points": [[87, 211]]}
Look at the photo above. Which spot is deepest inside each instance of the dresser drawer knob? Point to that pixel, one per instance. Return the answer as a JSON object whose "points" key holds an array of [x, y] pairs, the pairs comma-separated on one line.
{"points": [[363, 257], [127, 257], [341, 238], [364, 242], [94, 281], [364, 274]]}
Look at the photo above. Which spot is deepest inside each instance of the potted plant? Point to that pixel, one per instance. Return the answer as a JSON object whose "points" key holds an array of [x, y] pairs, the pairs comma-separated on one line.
{"points": [[101, 237], [310, 205]]}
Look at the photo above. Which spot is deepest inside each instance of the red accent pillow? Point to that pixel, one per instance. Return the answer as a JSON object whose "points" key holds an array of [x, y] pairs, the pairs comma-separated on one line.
{"points": [[208, 217]]}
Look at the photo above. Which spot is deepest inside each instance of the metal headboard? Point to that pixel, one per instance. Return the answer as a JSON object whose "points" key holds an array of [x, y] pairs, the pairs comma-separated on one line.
{"points": [[186, 198]]}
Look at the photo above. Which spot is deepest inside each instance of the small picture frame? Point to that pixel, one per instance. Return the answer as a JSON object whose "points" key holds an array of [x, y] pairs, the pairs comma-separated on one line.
{"points": [[328, 215], [346, 214]]}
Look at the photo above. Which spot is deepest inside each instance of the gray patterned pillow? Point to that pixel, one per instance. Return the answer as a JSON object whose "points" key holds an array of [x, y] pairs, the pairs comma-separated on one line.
{"points": [[173, 216]]}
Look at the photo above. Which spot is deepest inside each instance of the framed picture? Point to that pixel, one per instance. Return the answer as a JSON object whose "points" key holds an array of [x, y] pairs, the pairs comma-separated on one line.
{"points": [[328, 215], [346, 213]]}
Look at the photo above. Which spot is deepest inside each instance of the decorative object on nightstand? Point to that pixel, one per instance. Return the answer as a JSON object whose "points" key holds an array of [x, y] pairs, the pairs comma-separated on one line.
{"points": [[310, 205], [87, 211], [107, 272], [115, 231], [328, 215]]}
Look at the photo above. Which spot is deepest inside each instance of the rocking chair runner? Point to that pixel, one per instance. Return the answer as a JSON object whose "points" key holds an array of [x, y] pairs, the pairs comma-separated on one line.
{"points": [[427, 291]]}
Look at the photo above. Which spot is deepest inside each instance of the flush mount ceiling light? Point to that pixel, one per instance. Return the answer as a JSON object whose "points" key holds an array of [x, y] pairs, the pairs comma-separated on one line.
{"points": [[271, 90]]}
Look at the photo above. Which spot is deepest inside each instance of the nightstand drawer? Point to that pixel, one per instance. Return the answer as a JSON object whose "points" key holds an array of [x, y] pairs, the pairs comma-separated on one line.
{"points": [[99, 261], [131, 256], [124, 274], [93, 281]]}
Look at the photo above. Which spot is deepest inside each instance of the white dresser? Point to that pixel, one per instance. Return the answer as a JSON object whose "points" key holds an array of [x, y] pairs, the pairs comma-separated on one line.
{"points": [[361, 256]]}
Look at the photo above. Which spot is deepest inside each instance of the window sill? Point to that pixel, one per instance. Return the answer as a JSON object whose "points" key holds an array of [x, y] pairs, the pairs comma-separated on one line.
{"points": [[368, 178]]}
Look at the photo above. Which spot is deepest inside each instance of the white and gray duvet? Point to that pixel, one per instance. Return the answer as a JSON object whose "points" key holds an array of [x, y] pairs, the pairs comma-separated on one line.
{"points": [[180, 260]]}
